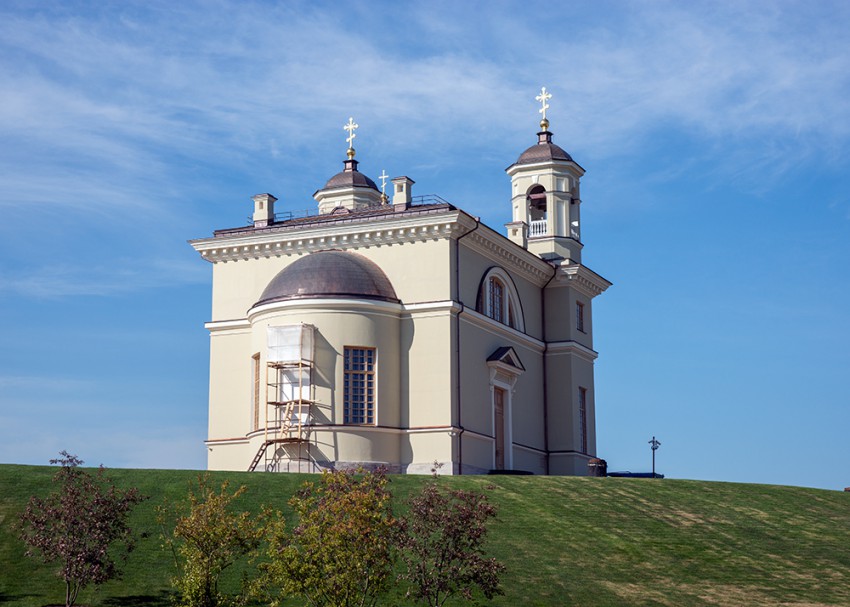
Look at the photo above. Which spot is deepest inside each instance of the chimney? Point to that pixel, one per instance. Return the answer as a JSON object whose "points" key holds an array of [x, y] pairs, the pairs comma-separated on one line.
{"points": [[263, 210], [402, 192]]}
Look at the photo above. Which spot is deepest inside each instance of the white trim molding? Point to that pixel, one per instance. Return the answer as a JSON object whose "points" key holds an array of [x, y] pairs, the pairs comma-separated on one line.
{"points": [[510, 303], [503, 251], [482, 321], [571, 347], [504, 375], [298, 238], [583, 279]]}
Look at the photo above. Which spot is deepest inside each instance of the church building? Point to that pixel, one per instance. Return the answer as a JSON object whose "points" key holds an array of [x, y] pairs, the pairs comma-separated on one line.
{"points": [[397, 330]]}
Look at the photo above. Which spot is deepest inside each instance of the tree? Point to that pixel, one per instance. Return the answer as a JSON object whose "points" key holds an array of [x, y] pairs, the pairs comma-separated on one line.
{"points": [[440, 541], [341, 553], [82, 526], [207, 540]]}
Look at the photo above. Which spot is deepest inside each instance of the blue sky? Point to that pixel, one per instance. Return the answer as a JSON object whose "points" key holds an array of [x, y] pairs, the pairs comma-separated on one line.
{"points": [[716, 139]]}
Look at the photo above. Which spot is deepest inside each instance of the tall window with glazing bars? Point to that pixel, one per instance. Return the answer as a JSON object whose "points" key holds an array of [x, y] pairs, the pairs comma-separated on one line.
{"points": [[582, 419], [359, 385]]}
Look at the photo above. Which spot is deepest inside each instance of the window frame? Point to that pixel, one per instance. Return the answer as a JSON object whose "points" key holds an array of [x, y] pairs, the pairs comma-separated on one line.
{"points": [[369, 386], [510, 310], [582, 419], [580, 316], [256, 391]]}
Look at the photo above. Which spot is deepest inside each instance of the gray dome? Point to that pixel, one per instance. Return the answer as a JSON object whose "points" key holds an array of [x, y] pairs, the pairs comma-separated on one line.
{"points": [[347, 179], [335, 274], [350, 177], [543, 151]]}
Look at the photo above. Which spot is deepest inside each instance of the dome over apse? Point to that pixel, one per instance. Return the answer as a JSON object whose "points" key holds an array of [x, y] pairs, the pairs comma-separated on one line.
{"points": [[329, 274]]}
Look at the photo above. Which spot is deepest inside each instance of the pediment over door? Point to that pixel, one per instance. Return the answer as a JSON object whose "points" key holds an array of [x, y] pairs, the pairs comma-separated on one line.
{"points": [[505, 365], [507, 356]]}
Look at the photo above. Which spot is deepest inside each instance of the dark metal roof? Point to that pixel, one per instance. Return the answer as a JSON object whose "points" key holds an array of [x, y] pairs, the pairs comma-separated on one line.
{"points": [[543, 151], [347, 179], [386, 211], [350, 177], [507, 355], [335, 274]]}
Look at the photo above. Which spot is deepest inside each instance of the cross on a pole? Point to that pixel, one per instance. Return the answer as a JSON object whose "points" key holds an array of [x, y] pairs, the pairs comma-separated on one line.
{"points": [[654, 444], [543, 97], [383, 177], [350, 127]]}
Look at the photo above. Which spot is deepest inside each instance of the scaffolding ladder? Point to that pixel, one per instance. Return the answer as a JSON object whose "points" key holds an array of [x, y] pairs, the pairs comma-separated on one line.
{"points": [[287, 417]]}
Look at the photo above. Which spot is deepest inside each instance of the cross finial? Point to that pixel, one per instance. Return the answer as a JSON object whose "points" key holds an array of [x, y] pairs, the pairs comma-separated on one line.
{"points": [[383, 177], [543, 97], [350, 127]]}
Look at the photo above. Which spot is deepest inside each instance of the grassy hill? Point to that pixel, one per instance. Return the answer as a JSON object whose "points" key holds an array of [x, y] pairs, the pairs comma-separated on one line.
{"points": [[581, 542]]}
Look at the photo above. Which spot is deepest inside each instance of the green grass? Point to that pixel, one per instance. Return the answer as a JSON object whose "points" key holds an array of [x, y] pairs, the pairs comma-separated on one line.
{"points": [[581, 542]]}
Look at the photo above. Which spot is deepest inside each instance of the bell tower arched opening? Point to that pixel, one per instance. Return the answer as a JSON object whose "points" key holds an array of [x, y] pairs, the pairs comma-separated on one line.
{"points": [[537, 211]]}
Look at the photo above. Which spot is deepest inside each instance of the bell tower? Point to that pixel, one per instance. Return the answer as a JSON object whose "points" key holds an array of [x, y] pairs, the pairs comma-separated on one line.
{"points": [[545, 197]]}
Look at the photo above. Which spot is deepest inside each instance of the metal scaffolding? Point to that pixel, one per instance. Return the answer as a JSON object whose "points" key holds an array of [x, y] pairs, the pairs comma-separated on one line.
{"points": [[288, 399]]}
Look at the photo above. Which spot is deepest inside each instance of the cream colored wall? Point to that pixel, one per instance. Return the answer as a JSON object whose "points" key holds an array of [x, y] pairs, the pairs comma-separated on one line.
{"points": [[525, 178], [413, 351], [568, 464], [477, 453], [359, 444], [237, 285], [566, 372], [561, 316], [417, 361], [473, 266], [230, 456], [428, 374], [526, 413], [356, 325], [530, 460], [231, 376], [421, 449]]}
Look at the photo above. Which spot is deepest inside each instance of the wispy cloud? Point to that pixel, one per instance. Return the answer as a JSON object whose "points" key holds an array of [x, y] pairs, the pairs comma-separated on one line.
{"points": [[118, 278], [132, 115], [123, 89]]}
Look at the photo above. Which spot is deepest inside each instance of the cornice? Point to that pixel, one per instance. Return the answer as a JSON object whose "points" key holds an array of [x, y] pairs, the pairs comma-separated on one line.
{"points": [[543, 165], [332, 305], [581, 278], [501, 250], [423, 309], [239, 325], [504, 331], [571, 347], [381, 231]]}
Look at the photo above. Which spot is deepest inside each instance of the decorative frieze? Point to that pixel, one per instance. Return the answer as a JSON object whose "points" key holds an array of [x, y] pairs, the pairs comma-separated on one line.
{"points": [[264, 244], [492, 245]]}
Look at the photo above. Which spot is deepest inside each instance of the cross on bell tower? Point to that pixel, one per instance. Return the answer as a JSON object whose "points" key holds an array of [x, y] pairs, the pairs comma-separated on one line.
{"points": [[545, 196]]}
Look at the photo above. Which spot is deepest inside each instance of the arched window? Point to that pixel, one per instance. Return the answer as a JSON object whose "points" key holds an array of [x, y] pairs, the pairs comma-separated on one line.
{"points": [[499, 300], [536, 200]]}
